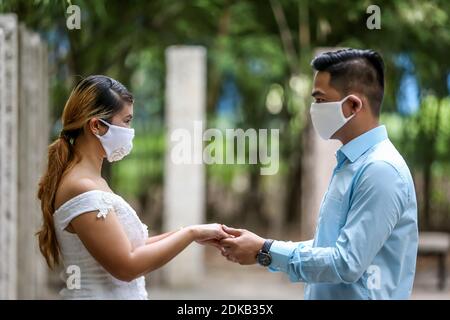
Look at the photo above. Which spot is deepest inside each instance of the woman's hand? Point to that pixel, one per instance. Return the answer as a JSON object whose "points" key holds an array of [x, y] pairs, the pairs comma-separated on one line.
{"points": [[208, 232]]}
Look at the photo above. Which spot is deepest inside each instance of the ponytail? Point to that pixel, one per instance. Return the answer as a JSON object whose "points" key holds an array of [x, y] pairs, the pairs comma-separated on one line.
{"points": [[60, 158]]}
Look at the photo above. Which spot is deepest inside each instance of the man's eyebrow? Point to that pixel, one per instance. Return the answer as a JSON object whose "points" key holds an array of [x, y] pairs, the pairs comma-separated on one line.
{"points": [[129, 116], [317, 93]]}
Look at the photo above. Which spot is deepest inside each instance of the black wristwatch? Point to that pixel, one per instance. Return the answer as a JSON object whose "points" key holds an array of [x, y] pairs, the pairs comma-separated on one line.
{"points": [[263, 257]]}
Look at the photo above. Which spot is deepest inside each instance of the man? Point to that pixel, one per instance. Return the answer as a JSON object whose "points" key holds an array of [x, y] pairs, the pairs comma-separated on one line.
{"points": [[365, 245]]}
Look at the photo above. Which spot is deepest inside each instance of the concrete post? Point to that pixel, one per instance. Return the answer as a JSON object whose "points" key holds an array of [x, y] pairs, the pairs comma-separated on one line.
{"points": [[184, 184]]}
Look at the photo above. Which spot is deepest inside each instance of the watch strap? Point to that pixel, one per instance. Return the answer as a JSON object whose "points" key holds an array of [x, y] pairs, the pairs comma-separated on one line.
{"points": [[266, 246]]}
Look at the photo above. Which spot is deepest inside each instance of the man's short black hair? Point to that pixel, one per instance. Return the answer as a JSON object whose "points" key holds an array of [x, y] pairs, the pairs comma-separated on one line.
{"points": [[355, 69]]}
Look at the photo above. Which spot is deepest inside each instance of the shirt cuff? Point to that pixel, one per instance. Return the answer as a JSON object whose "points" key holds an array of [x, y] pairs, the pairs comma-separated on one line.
{"points": [[281, 253]]}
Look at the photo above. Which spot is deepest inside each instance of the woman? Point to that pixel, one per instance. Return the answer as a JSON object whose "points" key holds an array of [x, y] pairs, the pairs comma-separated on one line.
{"points": [[84, 223]]}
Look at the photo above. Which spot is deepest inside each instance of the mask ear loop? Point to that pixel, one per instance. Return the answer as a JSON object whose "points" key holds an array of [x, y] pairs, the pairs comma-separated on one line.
{"points": [[106, 124]]}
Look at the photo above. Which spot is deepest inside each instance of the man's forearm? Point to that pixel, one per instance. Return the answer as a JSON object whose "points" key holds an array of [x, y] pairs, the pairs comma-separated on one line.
{"points": [[303, 263]]}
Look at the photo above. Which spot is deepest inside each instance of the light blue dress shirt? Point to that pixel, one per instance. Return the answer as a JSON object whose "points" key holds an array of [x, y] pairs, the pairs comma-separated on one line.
{"points": [[365, 245]]}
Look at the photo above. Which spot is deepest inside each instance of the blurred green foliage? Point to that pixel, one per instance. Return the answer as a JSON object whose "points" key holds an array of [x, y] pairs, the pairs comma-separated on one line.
{"points": [[260, 46]]}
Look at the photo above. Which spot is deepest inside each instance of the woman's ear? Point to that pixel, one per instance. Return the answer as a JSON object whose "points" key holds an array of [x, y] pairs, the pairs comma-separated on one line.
{"points": [[94, 126]]}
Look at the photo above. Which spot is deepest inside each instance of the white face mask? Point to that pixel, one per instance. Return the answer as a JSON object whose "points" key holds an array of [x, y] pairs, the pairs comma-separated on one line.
{"points": [[117, 141], [327, 117]]}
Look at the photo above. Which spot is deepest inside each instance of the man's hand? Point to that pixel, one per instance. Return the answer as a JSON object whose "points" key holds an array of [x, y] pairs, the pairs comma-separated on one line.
{"points": [[243, 247]]}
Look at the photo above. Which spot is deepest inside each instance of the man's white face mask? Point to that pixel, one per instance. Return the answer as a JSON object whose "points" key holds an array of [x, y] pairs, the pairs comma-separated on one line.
{"points": [[327, 117], [117, 141]]}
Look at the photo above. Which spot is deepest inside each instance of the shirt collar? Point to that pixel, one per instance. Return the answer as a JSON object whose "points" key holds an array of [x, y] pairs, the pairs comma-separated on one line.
{"points": [[356, 147]]}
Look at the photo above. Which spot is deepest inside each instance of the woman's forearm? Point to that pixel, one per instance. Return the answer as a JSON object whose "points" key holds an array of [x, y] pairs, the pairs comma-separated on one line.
{"points": [[159, 237], [152, 256]]}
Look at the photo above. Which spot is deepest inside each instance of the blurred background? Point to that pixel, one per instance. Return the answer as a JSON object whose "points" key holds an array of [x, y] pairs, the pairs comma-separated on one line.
{"points": [[258, 75]]}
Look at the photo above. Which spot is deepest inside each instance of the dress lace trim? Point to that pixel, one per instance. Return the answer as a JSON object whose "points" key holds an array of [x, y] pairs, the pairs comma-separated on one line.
{"points": [[94, 200]]}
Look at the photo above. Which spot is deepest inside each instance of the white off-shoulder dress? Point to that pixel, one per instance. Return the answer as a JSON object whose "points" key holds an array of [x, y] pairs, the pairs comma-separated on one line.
{"points": [[94, 281]]}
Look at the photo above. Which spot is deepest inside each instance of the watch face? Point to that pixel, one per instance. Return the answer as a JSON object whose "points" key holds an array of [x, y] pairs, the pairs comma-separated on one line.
{"points": [[264, 259]]}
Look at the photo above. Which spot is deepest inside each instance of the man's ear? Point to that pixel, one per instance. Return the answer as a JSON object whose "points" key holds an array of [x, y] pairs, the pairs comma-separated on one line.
{"points": [[355, 103]]}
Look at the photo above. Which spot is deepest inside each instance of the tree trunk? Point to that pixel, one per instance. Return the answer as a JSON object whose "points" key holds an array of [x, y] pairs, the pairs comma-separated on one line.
{"points": [[427, 189], [294, 196], [216, 77], [428, 172]]}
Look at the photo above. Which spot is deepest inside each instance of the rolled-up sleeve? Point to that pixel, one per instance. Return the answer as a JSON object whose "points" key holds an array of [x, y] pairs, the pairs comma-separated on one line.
{"points": [[378, 199]]}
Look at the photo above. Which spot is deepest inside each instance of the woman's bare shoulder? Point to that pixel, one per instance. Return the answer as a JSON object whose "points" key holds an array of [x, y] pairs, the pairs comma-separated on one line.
{"points": [[73, 185]]}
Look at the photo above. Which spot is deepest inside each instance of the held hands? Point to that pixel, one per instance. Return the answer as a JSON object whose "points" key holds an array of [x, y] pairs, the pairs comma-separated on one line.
{"points": [[239, 245], [209, 234]]}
